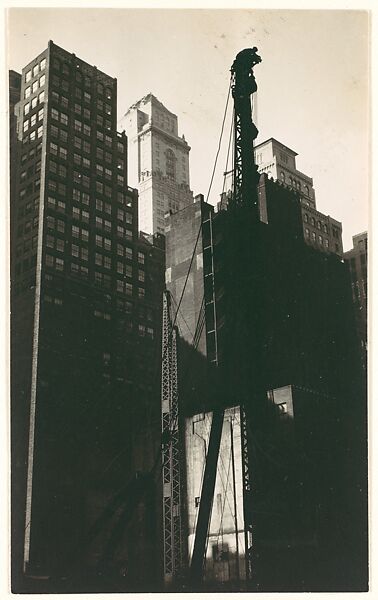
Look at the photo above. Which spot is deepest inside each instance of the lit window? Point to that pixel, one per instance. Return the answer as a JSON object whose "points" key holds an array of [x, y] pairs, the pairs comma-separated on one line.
{"points": [[42, 80], [26, 108], [53, 148], [64, 118], [27, 92], [35, 86], [40, 131], [28, 76], [41, 96], [35, 70], [42, 64]]}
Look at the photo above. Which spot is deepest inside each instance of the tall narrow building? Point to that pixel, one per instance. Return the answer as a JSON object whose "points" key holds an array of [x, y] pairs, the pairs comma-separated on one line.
{"points": [[158, 161], [356, 259], [86, 313]]}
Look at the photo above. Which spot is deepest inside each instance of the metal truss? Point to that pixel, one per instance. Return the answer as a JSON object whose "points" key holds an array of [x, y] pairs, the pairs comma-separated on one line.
{"points": [[247, 493], [172, 520]]}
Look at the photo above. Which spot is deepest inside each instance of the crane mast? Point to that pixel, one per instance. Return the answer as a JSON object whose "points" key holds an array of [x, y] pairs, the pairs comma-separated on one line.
{"points": [[245, 195], [243, 85]]}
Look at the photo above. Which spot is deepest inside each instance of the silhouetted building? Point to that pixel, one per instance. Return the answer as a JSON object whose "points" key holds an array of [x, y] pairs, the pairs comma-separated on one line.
{"points": [[86, 320], [356, 259], [278, 162], [272, 319]]}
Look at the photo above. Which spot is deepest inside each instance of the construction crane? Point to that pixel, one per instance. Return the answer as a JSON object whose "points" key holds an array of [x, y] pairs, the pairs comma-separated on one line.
{"points": [[243, 85], [245, 195]]}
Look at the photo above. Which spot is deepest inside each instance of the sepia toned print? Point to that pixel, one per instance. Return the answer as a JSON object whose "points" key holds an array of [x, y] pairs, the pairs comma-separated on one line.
{"points": [[189, 317]]}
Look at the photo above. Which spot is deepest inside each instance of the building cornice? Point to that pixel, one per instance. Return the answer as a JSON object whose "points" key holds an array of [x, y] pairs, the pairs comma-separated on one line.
{"points": [[171, 138]]}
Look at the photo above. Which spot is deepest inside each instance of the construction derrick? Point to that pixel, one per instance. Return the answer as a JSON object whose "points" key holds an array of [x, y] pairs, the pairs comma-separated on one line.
{"points": [[171, 456], [243, 85]]}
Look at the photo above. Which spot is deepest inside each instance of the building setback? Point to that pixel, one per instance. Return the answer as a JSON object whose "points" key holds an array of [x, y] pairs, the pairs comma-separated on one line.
{"points": [[86, 314], [158, 163], [278, 162], [356, 259], [278, 338]]}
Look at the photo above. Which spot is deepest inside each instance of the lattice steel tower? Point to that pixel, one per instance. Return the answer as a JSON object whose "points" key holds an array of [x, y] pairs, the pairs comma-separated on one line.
{"points": [[172, 518]]}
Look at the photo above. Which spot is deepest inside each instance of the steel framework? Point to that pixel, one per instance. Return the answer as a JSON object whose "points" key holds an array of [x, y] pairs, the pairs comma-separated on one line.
{"points": [[172, 520]]}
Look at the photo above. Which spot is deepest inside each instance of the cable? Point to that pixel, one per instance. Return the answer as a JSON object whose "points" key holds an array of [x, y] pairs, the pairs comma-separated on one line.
{"points": [[228, 154], [201, 319]]}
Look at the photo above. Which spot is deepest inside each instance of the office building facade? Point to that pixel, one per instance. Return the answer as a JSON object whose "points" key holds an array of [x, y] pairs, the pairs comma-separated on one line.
{"points": [[357, 259], [85, 321], [158, 161]]}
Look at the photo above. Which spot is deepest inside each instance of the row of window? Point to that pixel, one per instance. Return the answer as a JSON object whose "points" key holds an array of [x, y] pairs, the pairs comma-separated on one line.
{"points": [[294, 183], [34, 103], [322, 241], [34, 119], [34, 135], [315, 223], [31, 89], [64, 68], [35, 70]]}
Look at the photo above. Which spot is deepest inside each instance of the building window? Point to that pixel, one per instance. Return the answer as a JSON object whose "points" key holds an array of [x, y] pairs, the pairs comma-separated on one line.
{"points": [[170, 164]]}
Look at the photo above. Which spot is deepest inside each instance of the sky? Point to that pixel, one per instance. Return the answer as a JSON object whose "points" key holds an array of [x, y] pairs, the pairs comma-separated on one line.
{"points": [[313, 83]]}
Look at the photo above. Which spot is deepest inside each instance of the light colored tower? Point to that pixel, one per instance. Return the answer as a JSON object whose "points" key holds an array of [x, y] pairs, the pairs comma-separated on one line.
{"points": [[158, 162]]}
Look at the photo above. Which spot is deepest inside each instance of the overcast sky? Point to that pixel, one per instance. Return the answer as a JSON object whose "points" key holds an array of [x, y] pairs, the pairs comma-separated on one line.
{"points": [[313, 82]]}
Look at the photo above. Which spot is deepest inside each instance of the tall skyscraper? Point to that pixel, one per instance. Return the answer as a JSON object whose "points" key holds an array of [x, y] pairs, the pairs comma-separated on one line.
{"points": [[158, 161], [86, 293]]}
